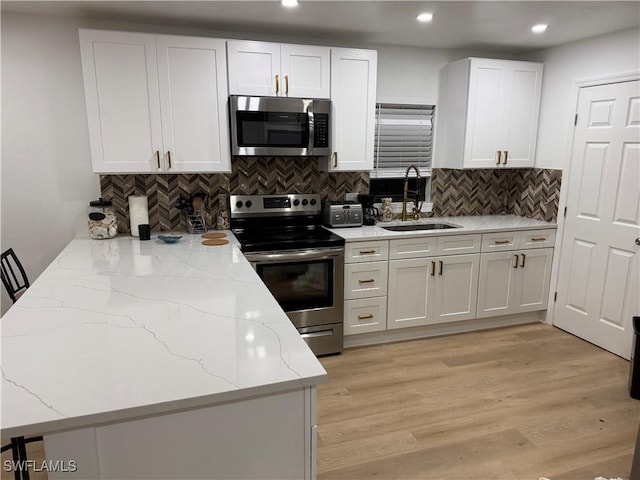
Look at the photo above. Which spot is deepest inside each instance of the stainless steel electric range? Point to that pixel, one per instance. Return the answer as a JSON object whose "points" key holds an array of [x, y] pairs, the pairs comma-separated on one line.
{"points": [[300, 262]]}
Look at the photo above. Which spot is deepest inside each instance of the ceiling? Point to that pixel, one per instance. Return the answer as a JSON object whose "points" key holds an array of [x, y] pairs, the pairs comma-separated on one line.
{"points": [[477, 25]]}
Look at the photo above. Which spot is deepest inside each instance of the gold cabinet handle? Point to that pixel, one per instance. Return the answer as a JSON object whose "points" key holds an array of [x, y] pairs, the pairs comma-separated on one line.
{"points": [[502, 242], [538, 239], [367, 252], [441, 267], [499, 157], [365, 317], [506, 156], [158, 157], [277, 84], [371, 280], [524, 257], [515, 263], [169, 157], [433, 269], [335, 159], [286, 84]]}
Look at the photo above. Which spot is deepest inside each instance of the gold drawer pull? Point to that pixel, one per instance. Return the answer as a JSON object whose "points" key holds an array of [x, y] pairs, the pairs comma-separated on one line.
{"points": [[367, 252], [365, 317], [538, 239], [502, 242], [371, 280]]}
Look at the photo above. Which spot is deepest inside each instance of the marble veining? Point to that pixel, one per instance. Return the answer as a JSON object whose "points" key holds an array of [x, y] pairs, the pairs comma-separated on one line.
{"points": [[118, 329]]}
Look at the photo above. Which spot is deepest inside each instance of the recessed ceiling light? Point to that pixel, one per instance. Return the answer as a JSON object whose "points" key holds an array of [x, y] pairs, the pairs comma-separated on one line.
{"points": [[289, 3], [425, 17], [540, 28]]}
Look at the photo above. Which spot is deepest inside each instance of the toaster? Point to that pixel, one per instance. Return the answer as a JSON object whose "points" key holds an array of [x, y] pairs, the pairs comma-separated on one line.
{"points": [[342, 214]]}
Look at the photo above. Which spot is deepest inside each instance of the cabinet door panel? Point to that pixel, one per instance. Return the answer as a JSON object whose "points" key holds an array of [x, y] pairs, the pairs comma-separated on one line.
{"points": [[363, 280], [408, 297], [532, 286], [123, 108], [307, 69], [496, 284], [353, 102], [365, 315], [253, 67], [485, 117], [412, 247], [456, 288], [193, 93]]}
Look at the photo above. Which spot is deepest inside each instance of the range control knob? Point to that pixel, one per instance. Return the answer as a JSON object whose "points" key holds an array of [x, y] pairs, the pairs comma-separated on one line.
{"points": [[239, 204], [248, 204], [304, 202], [312, 201], [296, 202]]}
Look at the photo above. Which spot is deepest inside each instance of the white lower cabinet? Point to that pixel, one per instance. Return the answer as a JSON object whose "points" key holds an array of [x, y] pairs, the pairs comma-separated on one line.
{"points": [[514, 282], [365, 315], [424, 291]]}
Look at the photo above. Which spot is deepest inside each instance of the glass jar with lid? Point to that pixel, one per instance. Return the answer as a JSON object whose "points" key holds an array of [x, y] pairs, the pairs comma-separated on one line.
{"points": [[102, 219]]}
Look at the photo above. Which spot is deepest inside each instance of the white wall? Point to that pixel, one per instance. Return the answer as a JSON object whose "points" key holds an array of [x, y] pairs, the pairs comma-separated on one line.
{"points": [[563, 66]]}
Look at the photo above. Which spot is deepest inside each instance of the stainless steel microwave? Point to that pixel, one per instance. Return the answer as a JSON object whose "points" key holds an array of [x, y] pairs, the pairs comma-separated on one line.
{"points": [[278, 126]]}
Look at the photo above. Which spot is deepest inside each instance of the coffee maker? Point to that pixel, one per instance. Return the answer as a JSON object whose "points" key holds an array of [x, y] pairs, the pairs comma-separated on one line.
{"points": [[369, 212]]}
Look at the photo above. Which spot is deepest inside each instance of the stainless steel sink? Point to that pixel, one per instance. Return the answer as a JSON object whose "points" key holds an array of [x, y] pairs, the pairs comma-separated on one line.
{"points": [[419, 226]]}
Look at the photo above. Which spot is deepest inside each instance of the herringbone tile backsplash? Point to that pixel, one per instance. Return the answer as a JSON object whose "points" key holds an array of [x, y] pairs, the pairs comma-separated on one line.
{"points": [[527, 192]]}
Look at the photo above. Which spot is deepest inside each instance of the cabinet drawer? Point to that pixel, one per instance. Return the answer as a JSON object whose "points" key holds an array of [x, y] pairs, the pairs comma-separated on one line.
{"points": [[500, 241], [537, 238], [366, 251], [367, 279], [365, 315], [412, 247], [454, 244]]}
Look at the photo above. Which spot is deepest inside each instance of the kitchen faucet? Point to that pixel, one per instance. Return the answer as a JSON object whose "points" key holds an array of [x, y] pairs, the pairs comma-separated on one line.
{"points": [[405, 197]]}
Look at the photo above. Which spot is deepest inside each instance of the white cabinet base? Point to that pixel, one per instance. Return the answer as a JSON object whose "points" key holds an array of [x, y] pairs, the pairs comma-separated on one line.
{"points": [[264, 437]]}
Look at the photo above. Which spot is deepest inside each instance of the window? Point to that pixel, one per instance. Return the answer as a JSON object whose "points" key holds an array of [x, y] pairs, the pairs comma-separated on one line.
{"points": [[404, 136]]}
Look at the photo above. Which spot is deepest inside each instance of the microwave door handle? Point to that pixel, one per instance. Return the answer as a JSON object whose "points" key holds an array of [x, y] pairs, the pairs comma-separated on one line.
{"points": [[311, 128]]}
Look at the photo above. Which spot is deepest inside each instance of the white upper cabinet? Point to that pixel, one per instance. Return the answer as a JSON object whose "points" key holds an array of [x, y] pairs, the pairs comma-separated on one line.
{"points": [[488, 114], [274, 69], [353, 104], [155, 103]]}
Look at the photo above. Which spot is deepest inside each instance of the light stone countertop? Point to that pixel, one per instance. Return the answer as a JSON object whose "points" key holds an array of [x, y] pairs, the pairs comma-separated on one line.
{"points": [[465, 224], [122, 328]]}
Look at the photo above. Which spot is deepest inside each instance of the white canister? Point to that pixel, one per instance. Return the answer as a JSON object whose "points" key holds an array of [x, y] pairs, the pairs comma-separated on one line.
{"points": [[138, 212]]}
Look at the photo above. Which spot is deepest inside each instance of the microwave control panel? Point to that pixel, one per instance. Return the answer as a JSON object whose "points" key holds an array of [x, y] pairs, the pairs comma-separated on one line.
{"points": [[321, 130]]}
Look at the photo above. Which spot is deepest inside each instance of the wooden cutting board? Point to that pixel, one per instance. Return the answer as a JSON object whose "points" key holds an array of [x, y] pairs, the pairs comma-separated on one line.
{"points": [[214, 235], [215, 241]]}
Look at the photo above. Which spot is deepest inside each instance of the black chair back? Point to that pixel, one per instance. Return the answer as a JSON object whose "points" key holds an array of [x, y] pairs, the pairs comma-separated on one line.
{"points": [[14, 277]]}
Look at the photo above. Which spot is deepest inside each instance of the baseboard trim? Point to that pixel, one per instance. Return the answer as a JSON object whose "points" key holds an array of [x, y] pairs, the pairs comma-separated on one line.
{"points": [[413, 333]]}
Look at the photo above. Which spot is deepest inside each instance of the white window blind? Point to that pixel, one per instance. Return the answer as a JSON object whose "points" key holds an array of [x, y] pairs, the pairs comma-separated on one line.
{"points": [[404, 136]]}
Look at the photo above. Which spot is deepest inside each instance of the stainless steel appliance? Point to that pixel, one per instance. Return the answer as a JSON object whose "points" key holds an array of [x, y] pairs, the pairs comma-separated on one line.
{"points": [[342, 214], [279, 126], [300, 262]]}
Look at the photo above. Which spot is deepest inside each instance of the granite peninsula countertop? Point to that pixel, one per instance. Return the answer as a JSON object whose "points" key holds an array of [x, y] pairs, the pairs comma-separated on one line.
{"points": [[122, 328], [465, 225]]}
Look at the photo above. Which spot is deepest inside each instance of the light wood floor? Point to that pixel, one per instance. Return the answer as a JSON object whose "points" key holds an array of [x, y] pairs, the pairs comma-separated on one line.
{"points": [[513, 403]]}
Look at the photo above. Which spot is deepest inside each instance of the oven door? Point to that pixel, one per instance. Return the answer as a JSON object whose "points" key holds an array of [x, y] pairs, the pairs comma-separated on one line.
{"points": [[308, 284]]}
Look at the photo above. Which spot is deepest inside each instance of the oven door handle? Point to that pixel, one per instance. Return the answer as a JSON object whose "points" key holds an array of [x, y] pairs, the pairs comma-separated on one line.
{"points": [[323, 333], [295, 255]]}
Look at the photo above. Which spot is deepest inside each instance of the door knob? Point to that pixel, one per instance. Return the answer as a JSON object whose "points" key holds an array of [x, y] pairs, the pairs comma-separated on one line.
{"points": [[638, 241]]}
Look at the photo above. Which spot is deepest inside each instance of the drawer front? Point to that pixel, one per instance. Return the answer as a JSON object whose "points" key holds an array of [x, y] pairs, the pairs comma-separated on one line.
{"points": [[412, 247], [362, 280], [500, 241], [366, 251], [454, 244], [365, 315], [537, 238]]}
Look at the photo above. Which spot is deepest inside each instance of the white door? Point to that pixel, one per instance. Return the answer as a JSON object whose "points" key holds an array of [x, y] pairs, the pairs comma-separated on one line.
{"points": [[193, 96], [353, 104], [496, 285], [254, 68], [305, 71], [123, 108], [532, 280], [409, 296], [598, 278], [455, 288]]}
